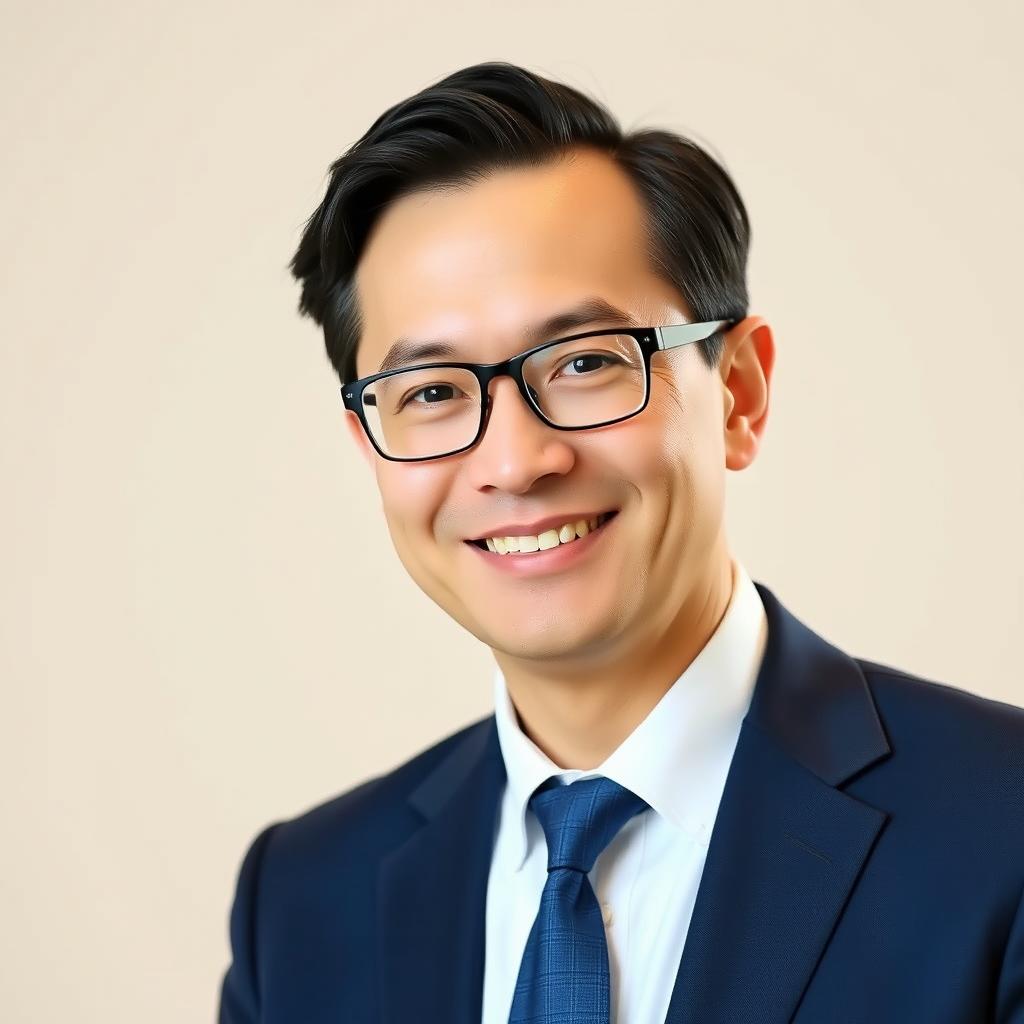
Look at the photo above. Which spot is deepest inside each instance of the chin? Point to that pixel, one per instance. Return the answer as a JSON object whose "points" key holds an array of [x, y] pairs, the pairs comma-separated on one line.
{"points": [[555, 638]]}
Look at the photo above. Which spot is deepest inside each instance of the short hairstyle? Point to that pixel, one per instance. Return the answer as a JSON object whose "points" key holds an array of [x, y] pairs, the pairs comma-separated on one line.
{"points": [[496, 115]]}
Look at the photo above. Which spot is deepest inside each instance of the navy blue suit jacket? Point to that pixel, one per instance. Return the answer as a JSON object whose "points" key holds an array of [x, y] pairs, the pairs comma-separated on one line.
{"points": [[866, 867]]}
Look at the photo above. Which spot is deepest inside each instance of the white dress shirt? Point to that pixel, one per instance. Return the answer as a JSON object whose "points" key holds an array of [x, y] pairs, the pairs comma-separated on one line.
{"points": [[646, 879]]}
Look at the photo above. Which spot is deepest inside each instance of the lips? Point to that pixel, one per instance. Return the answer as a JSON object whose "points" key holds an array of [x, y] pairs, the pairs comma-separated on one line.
{"points": [[542, 525]]}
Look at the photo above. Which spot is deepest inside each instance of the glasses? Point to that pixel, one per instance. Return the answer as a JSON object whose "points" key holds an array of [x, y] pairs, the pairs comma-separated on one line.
{"points": [[576, 383]]}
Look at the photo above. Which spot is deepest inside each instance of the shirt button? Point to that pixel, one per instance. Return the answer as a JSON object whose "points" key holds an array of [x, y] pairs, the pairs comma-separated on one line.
{"points": [[606, 913]]}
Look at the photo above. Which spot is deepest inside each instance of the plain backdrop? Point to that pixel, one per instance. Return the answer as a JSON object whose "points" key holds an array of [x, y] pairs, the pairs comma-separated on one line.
{"points": [[204, 625]]}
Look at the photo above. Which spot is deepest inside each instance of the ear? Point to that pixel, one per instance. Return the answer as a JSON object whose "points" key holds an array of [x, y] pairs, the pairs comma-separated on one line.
{"points": [[746, 372], [362, 442]]}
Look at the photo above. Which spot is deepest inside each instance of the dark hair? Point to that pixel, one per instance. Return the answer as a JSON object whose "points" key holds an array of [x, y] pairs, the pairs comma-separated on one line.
{"points": [[496, 115]]}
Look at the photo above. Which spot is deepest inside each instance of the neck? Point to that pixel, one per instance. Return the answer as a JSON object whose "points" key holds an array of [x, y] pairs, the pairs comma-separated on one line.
{"points": [[578, 714]]}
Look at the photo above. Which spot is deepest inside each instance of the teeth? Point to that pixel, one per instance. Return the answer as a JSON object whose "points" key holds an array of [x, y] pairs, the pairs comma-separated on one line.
{"points": [[542, 542], [548, 539]]}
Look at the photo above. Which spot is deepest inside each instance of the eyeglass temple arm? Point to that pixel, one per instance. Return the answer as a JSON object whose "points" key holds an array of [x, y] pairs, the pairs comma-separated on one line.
{"points": [[676, 335]]}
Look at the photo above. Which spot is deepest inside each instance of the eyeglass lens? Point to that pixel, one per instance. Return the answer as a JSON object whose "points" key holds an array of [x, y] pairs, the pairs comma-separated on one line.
{"points": [[425, 413]]}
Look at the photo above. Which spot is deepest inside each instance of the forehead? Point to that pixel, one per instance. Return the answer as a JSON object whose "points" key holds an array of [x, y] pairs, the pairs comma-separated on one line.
{"points": [[479, 262]]}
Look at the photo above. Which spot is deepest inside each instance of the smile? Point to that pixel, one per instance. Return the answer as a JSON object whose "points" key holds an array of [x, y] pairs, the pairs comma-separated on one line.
{"points": [[533, 558], [568, 533]]}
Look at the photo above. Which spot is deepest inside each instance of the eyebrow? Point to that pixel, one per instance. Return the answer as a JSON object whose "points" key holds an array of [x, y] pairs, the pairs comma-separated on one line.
{"points": [[588, 311]]}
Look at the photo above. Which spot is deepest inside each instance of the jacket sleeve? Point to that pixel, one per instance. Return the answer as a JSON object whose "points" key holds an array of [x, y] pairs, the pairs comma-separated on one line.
{"points": [[239, 994], [1010, 992]]}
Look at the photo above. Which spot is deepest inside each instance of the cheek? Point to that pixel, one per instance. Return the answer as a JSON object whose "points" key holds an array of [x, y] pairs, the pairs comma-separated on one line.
{"points": [[691, 421], [669, 442], [410, 498], [678, 457]]}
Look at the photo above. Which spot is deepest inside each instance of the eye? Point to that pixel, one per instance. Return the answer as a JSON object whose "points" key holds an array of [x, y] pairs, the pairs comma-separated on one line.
{"points": [[578, 361], [436, 391]]}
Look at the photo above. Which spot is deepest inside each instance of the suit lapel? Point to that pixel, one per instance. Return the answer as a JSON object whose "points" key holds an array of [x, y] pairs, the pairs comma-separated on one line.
{"points": [[432, 890], [784, 855], [788, 845]]}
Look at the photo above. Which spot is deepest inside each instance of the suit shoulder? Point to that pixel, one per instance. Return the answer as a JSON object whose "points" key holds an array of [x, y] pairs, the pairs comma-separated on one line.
{"points": [[957, 765], [972, 742], [946, 702], [368, 813]]}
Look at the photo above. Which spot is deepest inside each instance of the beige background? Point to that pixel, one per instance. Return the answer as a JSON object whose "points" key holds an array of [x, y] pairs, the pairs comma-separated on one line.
{"points": [[199, 600]]}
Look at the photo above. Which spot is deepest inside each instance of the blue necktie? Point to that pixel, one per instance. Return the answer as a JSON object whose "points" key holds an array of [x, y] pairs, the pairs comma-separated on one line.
{"points": [[563, 978]]}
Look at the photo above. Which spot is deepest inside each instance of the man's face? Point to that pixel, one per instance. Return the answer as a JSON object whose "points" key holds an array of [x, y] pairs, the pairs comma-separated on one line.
{"points": [[477, 267]]}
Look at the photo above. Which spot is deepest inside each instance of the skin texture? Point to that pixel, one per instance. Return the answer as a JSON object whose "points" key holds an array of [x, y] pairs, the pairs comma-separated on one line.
{"points": [[586, 653]]}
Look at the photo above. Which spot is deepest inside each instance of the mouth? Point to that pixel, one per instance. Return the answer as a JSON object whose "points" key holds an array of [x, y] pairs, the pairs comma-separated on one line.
{"points": [[549, 539]]}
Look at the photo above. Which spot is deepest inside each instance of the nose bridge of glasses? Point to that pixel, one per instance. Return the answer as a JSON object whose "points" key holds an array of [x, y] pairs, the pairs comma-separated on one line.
{"points": [[505, 375]]}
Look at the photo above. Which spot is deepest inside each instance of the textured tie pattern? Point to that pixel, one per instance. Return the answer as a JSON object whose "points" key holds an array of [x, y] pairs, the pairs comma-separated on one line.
{"points": [[564, 976]]}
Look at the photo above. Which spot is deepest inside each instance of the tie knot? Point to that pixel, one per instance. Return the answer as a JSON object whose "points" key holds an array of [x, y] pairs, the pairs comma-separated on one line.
{"points": [[582, 818]]}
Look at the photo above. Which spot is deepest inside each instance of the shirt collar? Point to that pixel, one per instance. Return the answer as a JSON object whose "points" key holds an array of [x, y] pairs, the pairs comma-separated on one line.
{"points": [[678, 757]]}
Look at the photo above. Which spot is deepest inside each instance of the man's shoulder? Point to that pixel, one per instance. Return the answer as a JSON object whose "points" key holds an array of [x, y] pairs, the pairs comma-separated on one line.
{"points": [[366, 817], [958, 750], [952, 710]]}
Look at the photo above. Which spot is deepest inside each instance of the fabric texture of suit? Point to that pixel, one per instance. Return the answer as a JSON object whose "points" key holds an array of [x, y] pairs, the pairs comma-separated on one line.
{"points": [[866, 865]]}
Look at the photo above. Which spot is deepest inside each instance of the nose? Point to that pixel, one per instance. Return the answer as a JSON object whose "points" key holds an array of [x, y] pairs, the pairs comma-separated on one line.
{"points": [[517, 447]]}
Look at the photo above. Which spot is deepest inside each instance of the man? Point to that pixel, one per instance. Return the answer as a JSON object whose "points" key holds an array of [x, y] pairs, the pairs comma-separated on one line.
{"points": [[687, 806]]}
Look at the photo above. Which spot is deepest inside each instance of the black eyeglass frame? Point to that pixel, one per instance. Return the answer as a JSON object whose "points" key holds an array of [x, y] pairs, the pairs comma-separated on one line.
{"points": [[650, 340]]}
